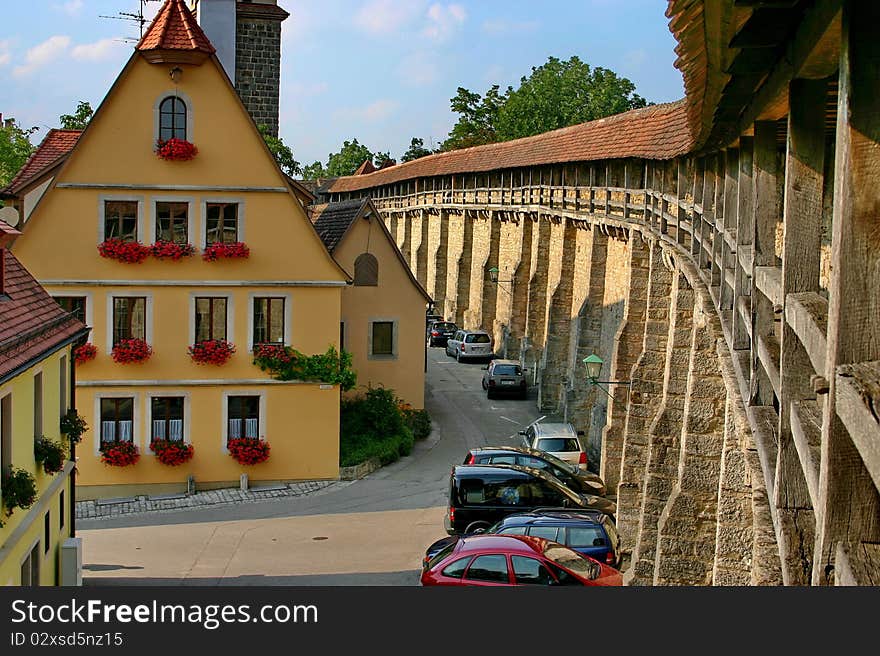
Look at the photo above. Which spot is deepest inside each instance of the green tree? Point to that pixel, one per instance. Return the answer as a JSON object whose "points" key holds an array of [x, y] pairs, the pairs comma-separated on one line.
{"points": [[347, 160], [416, 150], [15, 148], [555, 95], [314, 171], [380, 158], [80, 117], [281, 152]]}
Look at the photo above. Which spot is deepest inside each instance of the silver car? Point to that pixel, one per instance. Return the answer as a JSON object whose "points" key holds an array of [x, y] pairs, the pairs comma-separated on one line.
{"points": [[562, 440], [505, 377], [470, 344]]}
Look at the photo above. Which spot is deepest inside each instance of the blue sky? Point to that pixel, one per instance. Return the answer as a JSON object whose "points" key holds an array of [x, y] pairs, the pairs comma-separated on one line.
{"points": [[381, 71]]}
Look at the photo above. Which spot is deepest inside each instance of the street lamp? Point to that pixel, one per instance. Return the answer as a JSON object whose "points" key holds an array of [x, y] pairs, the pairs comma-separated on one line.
{"points": [[493, 277], [594, 363]]}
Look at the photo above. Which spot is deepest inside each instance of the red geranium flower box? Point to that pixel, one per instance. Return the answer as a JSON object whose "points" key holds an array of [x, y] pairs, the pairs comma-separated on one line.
{"points": [[129, 252], [168, 250], [84, 353], [178, 150], [212, 351], [129, 351], [119, 454], [220, 250], [171, 452], [248, 450]]}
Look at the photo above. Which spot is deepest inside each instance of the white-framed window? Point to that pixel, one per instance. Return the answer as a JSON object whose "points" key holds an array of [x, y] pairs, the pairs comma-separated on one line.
{"points": [[382, 339], [222, 221], [118, 419], [211, 316], [173, 116], [129, 316], [30, 566], [169, 416], [172, 218], [244, 415], [269, 319], [79, 304], [121, 217]]}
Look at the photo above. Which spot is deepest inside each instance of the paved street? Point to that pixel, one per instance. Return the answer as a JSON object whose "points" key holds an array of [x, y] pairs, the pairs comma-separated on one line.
{"points": [[369, 532]]}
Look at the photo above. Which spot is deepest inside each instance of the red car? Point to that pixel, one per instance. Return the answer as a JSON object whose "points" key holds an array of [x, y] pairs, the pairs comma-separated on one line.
{"points": [[493, 560]]}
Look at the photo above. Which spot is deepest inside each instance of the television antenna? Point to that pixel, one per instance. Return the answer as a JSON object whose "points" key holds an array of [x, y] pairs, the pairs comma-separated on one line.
{"points": [[133, 17]]}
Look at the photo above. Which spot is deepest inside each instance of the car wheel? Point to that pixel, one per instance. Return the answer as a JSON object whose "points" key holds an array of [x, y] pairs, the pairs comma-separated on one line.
{"points": [[473, 526], [483, 383], [489, 394], [458, 356]]}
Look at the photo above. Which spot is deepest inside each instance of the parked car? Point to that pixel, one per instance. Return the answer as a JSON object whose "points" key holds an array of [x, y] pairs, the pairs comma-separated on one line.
{"points": [[502, 560], [470, 344], [572, 476], [439, 332], [561, 440], [588, 532], [505, 377], [480, 495]]}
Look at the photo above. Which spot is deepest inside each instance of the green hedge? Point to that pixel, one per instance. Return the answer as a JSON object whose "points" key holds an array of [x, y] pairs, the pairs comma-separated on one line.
{"points": [[374, 425]]}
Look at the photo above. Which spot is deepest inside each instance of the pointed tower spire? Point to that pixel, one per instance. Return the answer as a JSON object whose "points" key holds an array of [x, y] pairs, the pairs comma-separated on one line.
{"points": [[174, 36]]}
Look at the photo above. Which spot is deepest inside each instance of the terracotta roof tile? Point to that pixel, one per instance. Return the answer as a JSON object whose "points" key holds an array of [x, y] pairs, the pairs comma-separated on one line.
{"points": [[332, 220], [54, 146], [175, 28], [657, 132], [365, 168], [31, 322]]}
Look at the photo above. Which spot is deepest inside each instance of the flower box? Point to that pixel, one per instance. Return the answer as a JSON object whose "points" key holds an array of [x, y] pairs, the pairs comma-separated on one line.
{"points": [[129, 252], [168, 250], [84, 353], [170, 452], [131, 351], [119, 454], [212, 351], [248, 450], [176, 150], [219, 250]]}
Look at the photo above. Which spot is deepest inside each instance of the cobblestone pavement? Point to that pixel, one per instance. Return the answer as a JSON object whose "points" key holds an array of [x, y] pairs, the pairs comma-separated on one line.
{"points": [[103, 508]]}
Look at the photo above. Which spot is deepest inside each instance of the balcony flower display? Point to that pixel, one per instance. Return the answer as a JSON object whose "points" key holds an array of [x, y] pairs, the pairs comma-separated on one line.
{"points": [[248, 450], [176, 150], [220, 250], [131, 351], [168, 250], [171, 452], [84, 353], [211, 351], [119, 454], [129, 252]]}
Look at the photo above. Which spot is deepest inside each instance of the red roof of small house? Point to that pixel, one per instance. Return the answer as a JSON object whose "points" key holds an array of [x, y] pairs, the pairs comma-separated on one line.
{"points": [[52, 149], [31, 322], [657, 132], [365, 168], [175, 28]]}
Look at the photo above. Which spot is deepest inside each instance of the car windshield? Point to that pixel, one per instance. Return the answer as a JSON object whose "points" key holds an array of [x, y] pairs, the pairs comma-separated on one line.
{"points": [[559, 463], [440, 555], [477, 339], [507, 370], [443, 326], [571, 560], [558, 444]]}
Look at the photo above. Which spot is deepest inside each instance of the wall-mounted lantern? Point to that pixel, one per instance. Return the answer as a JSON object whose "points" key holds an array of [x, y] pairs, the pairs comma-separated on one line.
{"points": [[594, 363]]}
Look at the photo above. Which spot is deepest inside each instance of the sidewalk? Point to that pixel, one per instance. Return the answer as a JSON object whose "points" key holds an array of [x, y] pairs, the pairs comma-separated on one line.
{"points": [[105, 508]]}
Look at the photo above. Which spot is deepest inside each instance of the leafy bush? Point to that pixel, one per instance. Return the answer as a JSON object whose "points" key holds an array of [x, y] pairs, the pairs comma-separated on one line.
{"points": [[73, 425], [372, 425], [286, 363], [50, 454], [19, 489], [418, 421]]}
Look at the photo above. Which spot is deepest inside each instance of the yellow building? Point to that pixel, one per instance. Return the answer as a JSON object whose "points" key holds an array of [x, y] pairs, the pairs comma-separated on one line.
{"points": [[383, 311], [209, 244], [36, 338]]}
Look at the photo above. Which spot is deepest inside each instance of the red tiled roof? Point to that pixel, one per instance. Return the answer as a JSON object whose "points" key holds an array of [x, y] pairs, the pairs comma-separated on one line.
{"points": [[175, 28], [365, 168], [31, 322], [54, 146], [657, 132]]}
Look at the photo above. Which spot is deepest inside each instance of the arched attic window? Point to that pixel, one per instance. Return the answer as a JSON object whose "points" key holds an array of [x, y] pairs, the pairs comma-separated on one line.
{"points": [[172, 119], [366, 270]]}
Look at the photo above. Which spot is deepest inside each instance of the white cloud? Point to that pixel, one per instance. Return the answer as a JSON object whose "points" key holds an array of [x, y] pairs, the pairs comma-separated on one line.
{"points": [[97, 51], [443, 21], [42, 54], [419, 69], [385, 16], [372, 113], [71, 7], [307, 89], [500, 27], [4, 53]]}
